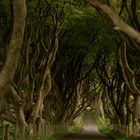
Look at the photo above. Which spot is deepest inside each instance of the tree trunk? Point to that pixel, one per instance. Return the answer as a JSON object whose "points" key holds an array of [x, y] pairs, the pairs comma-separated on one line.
{"points": [[136, 115], [5, 135], [8, 71], [15, 44]]}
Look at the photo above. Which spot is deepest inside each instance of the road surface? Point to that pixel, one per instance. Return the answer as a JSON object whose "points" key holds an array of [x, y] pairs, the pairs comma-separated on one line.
{"points": [[90, 131]]}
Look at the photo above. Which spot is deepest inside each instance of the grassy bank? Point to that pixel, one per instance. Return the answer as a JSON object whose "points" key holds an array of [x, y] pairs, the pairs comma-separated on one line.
{"points": [[113, 134], [75, 128]]}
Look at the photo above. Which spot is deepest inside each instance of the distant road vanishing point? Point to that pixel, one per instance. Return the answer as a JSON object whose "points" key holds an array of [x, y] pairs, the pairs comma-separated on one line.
{"points": [[90, 131]]}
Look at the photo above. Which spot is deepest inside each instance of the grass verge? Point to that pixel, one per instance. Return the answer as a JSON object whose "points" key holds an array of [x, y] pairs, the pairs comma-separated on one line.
{"points": [[75, 128], [114, 134]]}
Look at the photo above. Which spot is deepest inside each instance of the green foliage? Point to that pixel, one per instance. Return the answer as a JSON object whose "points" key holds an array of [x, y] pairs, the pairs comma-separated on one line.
{"points": [[53, 137], [86, 33], [0, 131], [5, 4], [31, 6], [82, 30], [77, 125], [107, 42], [114, 134], [75, 128]]}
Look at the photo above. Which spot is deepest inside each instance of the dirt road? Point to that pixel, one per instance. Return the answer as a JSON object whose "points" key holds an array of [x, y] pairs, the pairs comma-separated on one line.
{"points": [[90, 131]]}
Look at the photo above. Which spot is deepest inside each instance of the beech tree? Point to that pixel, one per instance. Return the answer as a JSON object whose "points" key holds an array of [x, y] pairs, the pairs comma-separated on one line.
{"points": [[126, 31], [14, 46], [67, 57], [118, 22]]}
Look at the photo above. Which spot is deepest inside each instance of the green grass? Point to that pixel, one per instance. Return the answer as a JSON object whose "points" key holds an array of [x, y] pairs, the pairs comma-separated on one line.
{"points": [[75, 128], [114, 134], [111, 133], [0, 132], [10, 137], [55, 136]]}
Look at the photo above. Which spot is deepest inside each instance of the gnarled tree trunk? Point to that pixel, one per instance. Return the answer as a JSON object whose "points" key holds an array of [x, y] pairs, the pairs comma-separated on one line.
{"points": [[15, 44], [117, 20]]}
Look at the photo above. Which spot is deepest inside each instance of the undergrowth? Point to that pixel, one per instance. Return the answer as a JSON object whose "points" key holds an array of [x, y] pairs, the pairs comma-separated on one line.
{"points": [[75, 128], [114, 134]]}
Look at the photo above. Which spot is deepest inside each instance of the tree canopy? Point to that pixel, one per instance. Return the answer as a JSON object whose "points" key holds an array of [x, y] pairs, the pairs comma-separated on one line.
{"points": [[59, 57]]}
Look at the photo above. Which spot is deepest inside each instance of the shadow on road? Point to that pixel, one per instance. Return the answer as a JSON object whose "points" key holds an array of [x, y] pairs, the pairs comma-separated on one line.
{"points": [[86, 137], [90, 131]]}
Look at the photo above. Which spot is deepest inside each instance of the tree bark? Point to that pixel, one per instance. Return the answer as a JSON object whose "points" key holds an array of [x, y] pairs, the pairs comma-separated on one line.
{"points": [[117, 20], [8, 71], [128, 74], [7, 74]]}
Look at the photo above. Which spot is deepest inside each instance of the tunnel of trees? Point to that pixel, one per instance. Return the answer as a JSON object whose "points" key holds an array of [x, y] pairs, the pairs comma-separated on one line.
{"points": [[57, 57]]}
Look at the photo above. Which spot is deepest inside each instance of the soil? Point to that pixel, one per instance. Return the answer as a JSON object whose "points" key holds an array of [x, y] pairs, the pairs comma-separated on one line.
{"points": [[90, 131]]}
